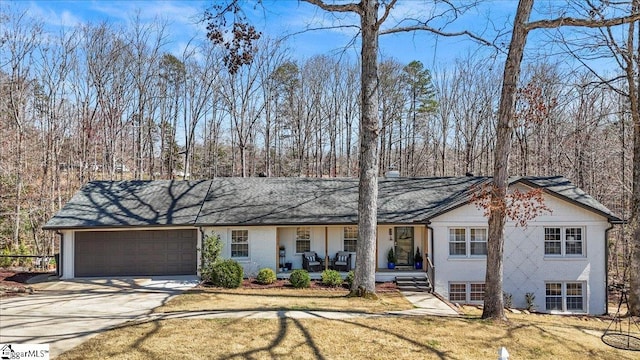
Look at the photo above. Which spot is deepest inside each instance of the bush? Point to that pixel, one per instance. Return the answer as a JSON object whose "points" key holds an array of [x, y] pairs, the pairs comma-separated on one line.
{"points": [[350, 278], [211, 248], [530, 299], [266, 276], [23, 250], [508, 300], [5, 261], [226, 273], [331, 278], [300, 279]]}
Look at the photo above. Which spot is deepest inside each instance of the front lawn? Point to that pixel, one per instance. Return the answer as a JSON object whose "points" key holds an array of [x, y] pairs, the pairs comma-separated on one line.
{"points": [[527, 336], [371, 338]]}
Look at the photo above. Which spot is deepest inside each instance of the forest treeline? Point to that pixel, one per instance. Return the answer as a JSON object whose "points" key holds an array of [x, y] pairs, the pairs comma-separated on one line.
{"points": [[101, 102]]}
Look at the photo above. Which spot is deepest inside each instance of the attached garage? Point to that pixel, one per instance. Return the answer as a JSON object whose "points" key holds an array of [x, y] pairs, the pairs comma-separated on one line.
{"points": [[133, 253]]}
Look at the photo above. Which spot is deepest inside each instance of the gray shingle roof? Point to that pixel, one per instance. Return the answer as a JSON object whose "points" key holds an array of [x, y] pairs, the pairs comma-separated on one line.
{"points": [[280, 201], [564, 189], [132, 203]]}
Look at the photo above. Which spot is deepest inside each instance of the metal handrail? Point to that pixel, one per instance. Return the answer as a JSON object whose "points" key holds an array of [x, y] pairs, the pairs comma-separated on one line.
{"points": [[430, 271]]}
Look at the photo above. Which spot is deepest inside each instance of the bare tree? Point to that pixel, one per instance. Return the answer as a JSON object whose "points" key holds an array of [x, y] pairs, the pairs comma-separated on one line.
{"points": [[20, 39], [144, 44], [493, 303]]}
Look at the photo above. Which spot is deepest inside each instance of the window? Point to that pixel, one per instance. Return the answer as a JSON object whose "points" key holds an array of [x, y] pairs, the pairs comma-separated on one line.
{"points": [[477, 292], [467, 242], [466, 292], [457, 242], [303, 239], [567, 296], [458, 292], [350, 235], [553, 298], [478, 242], [575, 300], [563, 241], [573, 241], [552, 241], [239, 243]]}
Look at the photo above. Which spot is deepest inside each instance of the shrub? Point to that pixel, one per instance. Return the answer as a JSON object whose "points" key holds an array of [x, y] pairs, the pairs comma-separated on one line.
{"points": [[507, 298], [5, 261], [226, 273], [23, 250], [350, 278], [300, 279], [266, 276], [331, 278], [211, 248], [530, 299]]}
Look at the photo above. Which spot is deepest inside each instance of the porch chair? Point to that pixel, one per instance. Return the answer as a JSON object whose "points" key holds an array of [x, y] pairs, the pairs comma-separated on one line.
{"points": [[311, 262], [342, 261]]}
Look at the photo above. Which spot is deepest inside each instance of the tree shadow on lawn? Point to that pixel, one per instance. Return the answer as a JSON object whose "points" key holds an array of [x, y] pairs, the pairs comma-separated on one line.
{"points": [[557, 332]]}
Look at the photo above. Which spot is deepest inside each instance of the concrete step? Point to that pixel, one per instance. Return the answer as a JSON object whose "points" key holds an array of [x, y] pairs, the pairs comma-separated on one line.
{"points": [[413, 283]]}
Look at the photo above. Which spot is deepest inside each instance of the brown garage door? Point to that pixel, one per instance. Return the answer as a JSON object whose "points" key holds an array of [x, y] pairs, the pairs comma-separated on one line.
{"points": [[126, 253]]}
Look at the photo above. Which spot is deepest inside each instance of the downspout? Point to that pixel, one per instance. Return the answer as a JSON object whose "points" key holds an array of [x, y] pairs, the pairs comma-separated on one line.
{"points": [[432, 256], [59, 260], [196, 221], [199, 250]]}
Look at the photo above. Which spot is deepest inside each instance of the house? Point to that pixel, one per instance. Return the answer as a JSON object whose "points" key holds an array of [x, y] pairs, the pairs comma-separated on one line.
{"points": [[127, 228]]}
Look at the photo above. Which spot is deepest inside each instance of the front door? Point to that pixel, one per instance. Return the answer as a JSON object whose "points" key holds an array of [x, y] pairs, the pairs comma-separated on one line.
{"points": [[404, 245]]}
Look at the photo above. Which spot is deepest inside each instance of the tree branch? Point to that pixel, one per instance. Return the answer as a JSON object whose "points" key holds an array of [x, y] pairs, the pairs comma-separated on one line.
{"points": [[387, 10], [351, 7], [426, 27], [591, 23]]}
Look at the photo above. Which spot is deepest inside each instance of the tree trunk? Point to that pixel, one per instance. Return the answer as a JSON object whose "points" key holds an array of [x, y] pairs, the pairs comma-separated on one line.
{"points": [[365, 273], [493, 302], [634, 265], [634, 99]]}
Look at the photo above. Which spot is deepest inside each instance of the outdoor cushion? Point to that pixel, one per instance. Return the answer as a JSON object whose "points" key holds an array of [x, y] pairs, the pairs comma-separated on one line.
{"points": [[342, 259], [341, 263], [311, 258]]}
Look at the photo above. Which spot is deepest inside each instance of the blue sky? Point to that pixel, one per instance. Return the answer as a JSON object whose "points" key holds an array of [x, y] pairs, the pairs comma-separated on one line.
{"points": [[279, 17]]}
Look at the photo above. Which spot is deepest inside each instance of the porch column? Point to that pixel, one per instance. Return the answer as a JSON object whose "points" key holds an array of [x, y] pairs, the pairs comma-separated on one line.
{"points": [[326, 248], [278, 249]]}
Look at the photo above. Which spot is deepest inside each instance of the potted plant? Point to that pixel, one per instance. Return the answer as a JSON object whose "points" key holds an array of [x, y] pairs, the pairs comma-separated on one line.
{"points": [[391, 259], [417, 259]]}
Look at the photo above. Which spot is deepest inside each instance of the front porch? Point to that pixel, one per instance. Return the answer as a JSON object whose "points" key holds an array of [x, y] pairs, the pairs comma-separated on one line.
{"points": [[292, 242]]}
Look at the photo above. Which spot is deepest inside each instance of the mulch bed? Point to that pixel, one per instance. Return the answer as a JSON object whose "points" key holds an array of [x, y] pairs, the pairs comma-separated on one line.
{"points": [[14, 282], [315, 285]]}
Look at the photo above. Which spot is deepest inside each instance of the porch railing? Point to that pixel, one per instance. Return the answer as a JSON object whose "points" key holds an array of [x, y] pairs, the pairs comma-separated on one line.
{"points": [[430, 271]]}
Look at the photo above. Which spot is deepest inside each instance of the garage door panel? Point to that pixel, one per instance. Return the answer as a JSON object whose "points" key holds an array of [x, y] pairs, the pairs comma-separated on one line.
{"points": [[124, 253]]}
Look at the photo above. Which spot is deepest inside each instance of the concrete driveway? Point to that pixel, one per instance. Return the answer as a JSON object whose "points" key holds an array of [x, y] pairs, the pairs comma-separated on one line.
{"points": [[64, 314]]}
